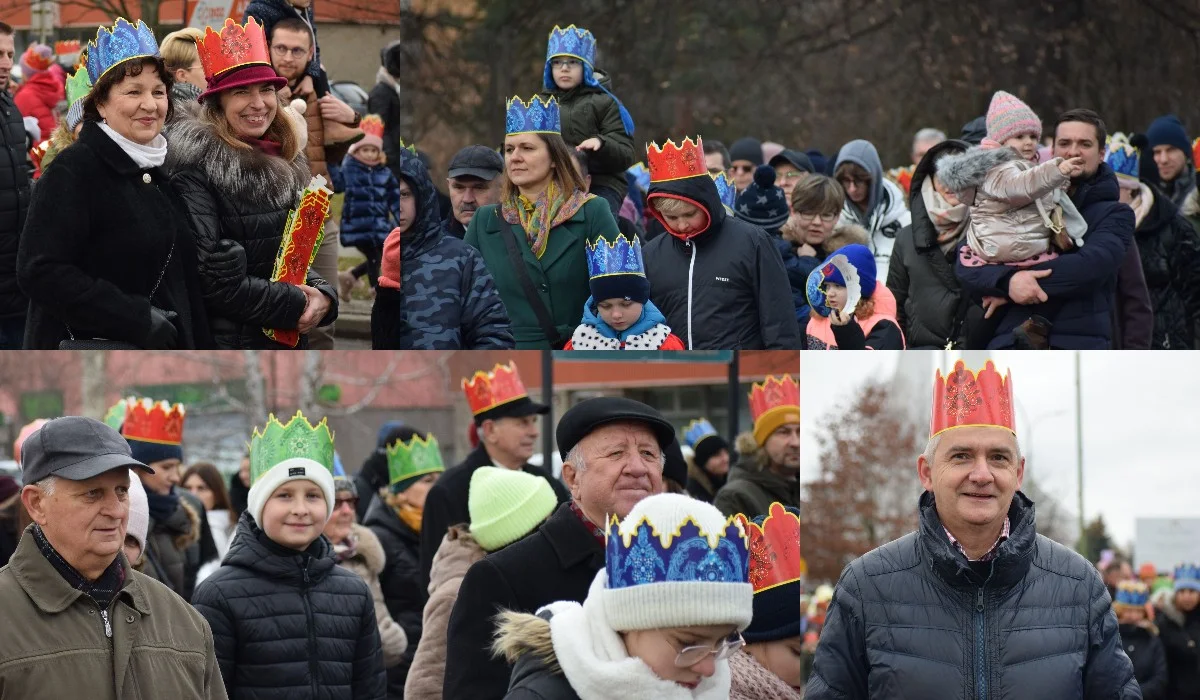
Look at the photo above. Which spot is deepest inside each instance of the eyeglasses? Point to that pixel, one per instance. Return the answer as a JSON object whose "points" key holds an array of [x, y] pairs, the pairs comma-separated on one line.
{"points": [[789, 175], [741, 168], [339, 502], [846, 182], [690, 656], [827, 218], [282, 51], [559, 63]]}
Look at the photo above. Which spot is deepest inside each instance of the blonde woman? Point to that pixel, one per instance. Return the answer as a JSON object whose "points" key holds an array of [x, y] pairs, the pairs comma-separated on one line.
{"points": [[182, 59]]}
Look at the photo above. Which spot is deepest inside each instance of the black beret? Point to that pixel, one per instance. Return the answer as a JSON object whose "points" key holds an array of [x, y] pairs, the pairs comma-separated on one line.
{"points": [[588, 415]]}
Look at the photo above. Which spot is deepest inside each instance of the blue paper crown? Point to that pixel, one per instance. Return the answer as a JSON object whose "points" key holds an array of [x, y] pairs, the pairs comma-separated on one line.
{"points": [[617, 257], [123, 42], [1132, 593], [1188, 572], [1122, 157], [641, 175], [572, 41], [697, 430], [537, 117], [726, 191], [640, 557]]}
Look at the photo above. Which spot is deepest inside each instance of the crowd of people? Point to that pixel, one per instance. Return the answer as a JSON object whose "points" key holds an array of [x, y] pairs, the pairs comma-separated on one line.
{"points": [[183, 168], [134, 577]]}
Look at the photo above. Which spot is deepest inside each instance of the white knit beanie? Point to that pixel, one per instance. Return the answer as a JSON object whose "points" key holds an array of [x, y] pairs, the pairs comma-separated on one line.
{"points": [[139, 511], [294, 469], [662, 572]]}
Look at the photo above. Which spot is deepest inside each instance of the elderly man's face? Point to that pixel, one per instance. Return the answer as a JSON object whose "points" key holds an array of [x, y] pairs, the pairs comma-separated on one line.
{"points": [[973, 475], [622, 464], [783, 447], [84, 520]]}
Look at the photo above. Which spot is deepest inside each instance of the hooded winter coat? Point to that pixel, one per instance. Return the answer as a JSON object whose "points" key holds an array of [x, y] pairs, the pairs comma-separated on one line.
{"points": [[886, 211], [368, 561], [752, 487], [14, 204], [1145, 651], [400, 582], [1083, 280], [915, 619], [458, 552], [649, 332], [878, 331], [725, 288], [1180, 635], [701, 485], [587, 112], [101, 231], [1170, 257], [291, 625], [166, 554], [39, 95], [243, 196], [931, 307], [448, 298], [371, 203]]}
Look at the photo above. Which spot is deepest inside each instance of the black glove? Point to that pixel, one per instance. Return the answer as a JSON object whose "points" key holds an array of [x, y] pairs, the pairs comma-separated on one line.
{"points": [[163, 334], [227, 261]]}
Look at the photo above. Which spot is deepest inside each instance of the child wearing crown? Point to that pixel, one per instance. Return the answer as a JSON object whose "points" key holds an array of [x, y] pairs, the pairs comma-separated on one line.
{"points": [[371, 200], [1141, 638], [1178, 622], [619, 315], [851, 309], [593, 120], [285, 618]]}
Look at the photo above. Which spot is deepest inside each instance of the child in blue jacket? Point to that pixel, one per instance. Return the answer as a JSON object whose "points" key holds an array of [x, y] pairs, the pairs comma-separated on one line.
{"points": [[371, 204]]}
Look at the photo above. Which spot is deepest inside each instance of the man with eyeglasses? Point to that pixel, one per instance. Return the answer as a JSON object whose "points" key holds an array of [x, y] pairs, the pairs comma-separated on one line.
{"points": [[790, 168], [716, 157], [746, 154]]}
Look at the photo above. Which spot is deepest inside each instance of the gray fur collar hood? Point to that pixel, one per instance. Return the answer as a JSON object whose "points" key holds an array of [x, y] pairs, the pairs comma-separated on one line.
{"points": [[967, 170], [242, 175]]}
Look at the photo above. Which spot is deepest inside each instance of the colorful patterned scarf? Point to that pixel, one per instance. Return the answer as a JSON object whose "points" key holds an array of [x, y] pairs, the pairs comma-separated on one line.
{"points": [[538, 217]]}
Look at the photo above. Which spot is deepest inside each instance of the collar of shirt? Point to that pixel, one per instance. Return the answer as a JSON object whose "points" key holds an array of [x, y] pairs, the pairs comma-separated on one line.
{"points": [[991, 553], [591, 526]]}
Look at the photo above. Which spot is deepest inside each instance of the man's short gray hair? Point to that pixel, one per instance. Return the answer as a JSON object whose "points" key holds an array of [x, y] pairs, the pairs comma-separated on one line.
{"points": [[575, 457], [47, 484], [936, 440], [929, 134]]}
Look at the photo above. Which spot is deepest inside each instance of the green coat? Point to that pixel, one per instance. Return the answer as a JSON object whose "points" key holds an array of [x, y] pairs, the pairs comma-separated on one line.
{"points": [[751, 491], [561, 276], [54, 644], [586, 112]]}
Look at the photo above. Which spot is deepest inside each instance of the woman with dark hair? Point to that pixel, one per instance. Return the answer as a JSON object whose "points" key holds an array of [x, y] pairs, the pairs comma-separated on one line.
{"points": [[204, 481], [240, 168], [535, 241], [105, 253]]}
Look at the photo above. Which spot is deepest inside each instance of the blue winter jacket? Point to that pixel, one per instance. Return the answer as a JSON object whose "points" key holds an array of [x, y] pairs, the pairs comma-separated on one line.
{"points": [[371, 205], [798, 269], [1084, 281]]}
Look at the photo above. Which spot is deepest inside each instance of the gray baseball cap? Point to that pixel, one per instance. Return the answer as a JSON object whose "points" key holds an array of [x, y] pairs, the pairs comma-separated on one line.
{"points": [[476, 161], [75, 448]]}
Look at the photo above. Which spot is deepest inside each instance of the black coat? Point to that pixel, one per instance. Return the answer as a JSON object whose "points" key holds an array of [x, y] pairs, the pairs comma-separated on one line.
{"points": [[557, 562], [96, 241], [291, 625], [14, 204], [385, 101], [1170, 251], [402, 590], [446, 502], [915, 619], [1180, 635], [930, 303], [244, 196], [740, 296], [1145, 650]]}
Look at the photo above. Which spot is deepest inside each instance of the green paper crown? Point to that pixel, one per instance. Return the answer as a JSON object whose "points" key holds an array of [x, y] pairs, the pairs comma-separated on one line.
{"points": [[413, 458], [412, 148], [115, 417], [278, 442], [78, 85]]}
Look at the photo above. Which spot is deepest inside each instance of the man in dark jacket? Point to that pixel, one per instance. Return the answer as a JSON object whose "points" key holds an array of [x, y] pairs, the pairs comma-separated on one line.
{"points": [[975, 604], [473, 180], [721, 283], [1084, 280], [622, 444], [435, 292], [769, 469], [14, 201], [506, 420], [403, 592]]}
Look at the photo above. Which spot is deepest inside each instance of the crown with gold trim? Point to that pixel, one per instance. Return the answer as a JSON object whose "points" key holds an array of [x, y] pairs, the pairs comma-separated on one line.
{"points": [[616, 257], [417, 457], [1122, 157], [726, 191], [297, 438], [572, 41], [124, 42], [538, 116], [1131, 594], [676, 162], [697, 430], [372, 125], [411, 148], [233, 47], [152, 421], [1187, 575], [774, 547], [773, 403], [79, 85], [641, 175], [968, 399], [487, 390]]}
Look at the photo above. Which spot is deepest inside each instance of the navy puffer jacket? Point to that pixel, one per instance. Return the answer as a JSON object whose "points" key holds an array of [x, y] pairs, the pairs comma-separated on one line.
{"points": [[371, 205], [291, 625], [914, 619]]}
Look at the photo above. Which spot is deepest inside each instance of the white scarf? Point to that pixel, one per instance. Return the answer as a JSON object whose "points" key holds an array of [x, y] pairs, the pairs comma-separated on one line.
{"points": [[594, 661], [151, 155]]}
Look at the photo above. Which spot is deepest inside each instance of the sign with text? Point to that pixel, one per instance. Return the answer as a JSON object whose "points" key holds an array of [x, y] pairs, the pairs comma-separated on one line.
{"points": [[212, 13], [1166, 542]]}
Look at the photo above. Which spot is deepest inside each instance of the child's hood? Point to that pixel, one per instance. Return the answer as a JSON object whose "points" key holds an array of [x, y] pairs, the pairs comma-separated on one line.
{"points": [[964, 171]]}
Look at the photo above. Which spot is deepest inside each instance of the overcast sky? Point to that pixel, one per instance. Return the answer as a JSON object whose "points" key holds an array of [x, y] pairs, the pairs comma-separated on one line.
{"points": [[1141, 422]]}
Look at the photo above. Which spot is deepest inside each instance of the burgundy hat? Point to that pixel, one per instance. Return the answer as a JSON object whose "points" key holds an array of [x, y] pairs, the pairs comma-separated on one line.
{"points": [[245, 75]]}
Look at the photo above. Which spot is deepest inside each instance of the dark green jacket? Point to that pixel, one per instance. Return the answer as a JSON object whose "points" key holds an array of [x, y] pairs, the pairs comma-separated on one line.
{"points": [[561, 276], [751, 492], [587, 112]]}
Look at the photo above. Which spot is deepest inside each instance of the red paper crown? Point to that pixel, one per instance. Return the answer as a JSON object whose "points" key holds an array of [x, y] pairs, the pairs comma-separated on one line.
{"points": [[774, 395], [372, 125], [671, 162], [774, 548], [153, 421], [487, 390], [966, 399], [64, 48], [233, 47]]}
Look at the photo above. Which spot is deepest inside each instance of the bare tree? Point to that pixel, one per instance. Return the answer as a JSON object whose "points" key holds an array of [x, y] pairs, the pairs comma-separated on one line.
{"points": [[94, 381]]}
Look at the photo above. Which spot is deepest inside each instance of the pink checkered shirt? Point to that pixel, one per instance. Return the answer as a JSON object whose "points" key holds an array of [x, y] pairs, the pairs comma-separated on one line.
{"points": [[991, 553]]}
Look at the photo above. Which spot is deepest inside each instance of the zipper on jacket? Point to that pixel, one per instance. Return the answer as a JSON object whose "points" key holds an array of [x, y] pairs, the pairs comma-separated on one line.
{"points": [[691, 271], [312, 629], [107, 623], [981, 670]]}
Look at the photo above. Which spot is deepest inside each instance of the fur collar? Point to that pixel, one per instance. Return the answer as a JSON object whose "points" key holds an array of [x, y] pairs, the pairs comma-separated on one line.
{"points": [[244, 176], [1191, 205], [964, 171], [370, 551]]}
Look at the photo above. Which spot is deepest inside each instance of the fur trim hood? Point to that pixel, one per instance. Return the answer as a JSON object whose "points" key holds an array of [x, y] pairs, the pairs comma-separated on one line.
{"points": [[964, 171], [747, 447], [242, 175], [844, 234], [1191, 205], [457, 553], [369, 551], [518, 634]]}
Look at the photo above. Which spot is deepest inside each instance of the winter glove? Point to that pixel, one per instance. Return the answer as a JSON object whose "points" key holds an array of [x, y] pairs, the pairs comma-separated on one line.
{"points": [[226, 262], [32, 128], [163, 334]]}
